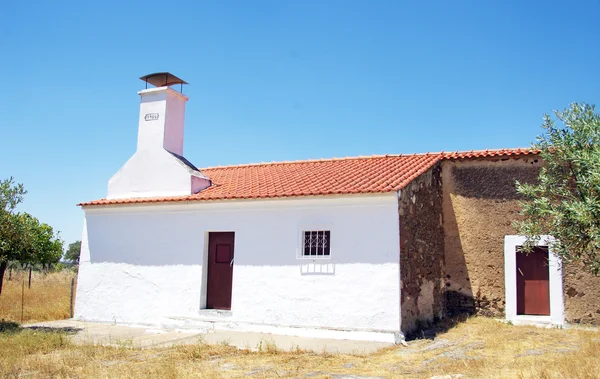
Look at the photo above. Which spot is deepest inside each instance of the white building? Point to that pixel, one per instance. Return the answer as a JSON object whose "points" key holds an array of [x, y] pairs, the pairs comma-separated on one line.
{"points": [[302, 248]]}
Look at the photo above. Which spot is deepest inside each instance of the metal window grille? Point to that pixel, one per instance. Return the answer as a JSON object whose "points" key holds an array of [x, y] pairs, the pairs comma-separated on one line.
{"points": [[317, 244]]}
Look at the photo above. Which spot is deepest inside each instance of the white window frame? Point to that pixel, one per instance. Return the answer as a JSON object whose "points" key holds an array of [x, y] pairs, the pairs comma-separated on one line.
{"points": [[301, 255], [557, 307]]}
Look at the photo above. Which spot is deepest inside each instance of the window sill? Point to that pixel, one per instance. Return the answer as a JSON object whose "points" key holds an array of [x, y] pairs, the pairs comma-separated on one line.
{"points": [[313, 258], [316, 267]]}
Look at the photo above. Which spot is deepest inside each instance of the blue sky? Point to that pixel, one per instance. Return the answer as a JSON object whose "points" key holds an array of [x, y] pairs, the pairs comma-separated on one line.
{"points": [[279, 80]]}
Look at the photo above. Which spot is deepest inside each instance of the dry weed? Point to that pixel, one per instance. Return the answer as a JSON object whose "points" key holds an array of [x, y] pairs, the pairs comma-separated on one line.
{"points": [[476, 348], [47, 299]]}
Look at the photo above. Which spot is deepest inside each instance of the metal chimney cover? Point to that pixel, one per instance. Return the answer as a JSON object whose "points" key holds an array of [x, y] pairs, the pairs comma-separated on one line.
{"points": [[162, 79]]}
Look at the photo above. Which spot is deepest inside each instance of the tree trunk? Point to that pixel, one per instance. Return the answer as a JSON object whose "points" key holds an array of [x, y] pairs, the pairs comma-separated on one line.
{"points": [[2, 270], [29, 276]]}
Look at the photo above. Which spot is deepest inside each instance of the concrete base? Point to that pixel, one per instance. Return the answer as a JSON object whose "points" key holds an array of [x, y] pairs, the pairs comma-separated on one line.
{"points": [[221, 320], [151, 337], [545, 321]]}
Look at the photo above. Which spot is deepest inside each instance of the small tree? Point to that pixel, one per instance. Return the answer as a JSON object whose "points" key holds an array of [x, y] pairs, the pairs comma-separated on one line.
{"points": [[565, 203], [44, 247], [73, 251], [22, 237], [11, 226]]}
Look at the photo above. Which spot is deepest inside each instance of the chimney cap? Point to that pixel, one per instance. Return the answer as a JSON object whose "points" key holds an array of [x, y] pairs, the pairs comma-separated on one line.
{"points": [[162, 79]]}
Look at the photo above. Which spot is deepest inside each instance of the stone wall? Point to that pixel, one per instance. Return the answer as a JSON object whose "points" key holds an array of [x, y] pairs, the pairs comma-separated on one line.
{"points": [[421, 251], [480, 203]]}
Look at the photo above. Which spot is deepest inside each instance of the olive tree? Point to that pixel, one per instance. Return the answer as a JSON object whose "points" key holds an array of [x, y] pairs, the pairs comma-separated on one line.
{"points": [[565, 201]]}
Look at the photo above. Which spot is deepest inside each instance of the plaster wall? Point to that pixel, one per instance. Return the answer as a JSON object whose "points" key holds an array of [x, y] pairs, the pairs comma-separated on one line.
{"points": [[581, 294], [174, 122], [161, 120], [480, 204], [422, 251], [153, 172], [142, 264]]}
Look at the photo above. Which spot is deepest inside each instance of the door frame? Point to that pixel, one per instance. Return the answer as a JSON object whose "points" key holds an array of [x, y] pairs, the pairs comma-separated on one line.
{"points": [[557, 307]]}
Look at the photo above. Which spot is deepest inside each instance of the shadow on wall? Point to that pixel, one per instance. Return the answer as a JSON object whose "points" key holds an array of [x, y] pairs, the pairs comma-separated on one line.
{"points": [[480, 205], [365, 235], [136, 241], [459, 293]]}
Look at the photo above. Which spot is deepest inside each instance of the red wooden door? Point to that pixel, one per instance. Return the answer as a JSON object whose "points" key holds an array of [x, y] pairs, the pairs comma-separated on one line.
{"points": [[533, 283], [220, 270]]}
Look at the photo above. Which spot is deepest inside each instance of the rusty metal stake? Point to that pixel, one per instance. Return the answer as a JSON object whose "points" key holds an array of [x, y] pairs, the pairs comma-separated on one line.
{"points": [[72, 292], [22, 299]]}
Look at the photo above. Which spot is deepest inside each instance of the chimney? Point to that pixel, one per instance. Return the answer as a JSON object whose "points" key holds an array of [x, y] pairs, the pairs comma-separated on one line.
{"points": [[158, 168], [162, 111]]}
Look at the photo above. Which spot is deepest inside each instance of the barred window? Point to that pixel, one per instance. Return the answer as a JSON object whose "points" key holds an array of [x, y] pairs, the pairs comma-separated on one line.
{"points": [[317, 244]]}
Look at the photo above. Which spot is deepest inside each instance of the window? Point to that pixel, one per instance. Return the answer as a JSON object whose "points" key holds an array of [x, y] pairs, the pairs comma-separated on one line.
{"points": [[316, 244]]}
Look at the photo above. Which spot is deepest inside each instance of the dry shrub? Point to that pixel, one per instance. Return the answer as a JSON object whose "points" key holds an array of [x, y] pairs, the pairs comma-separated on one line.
{"points": [[47, 299]]}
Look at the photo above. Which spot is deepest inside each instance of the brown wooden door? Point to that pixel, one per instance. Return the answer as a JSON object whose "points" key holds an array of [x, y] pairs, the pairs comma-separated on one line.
{"points": [[220, 270], [533, 283]]}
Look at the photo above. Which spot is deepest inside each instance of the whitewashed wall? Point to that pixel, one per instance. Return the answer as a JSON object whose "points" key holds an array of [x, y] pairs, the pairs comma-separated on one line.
{"points": [[150, 173], [145, 263], [152, 170]]}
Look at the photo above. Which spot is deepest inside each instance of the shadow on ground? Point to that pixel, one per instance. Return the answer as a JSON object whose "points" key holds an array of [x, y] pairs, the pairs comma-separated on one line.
{"points": [[14, 327], [442, 326], [9, 327]]}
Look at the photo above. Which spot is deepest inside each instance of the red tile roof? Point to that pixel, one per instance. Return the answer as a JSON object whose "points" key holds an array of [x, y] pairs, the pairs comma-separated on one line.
{"points": [[356, 175], [489, 153]]}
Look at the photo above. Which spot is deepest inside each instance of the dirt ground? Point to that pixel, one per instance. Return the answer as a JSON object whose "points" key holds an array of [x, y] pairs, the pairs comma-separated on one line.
{"points": [[476, 347]]}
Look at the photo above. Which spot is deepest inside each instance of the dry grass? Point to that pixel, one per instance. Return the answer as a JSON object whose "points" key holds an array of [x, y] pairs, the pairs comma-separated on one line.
{"points": [[47, 299], [501, 351], [476, 348]]}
